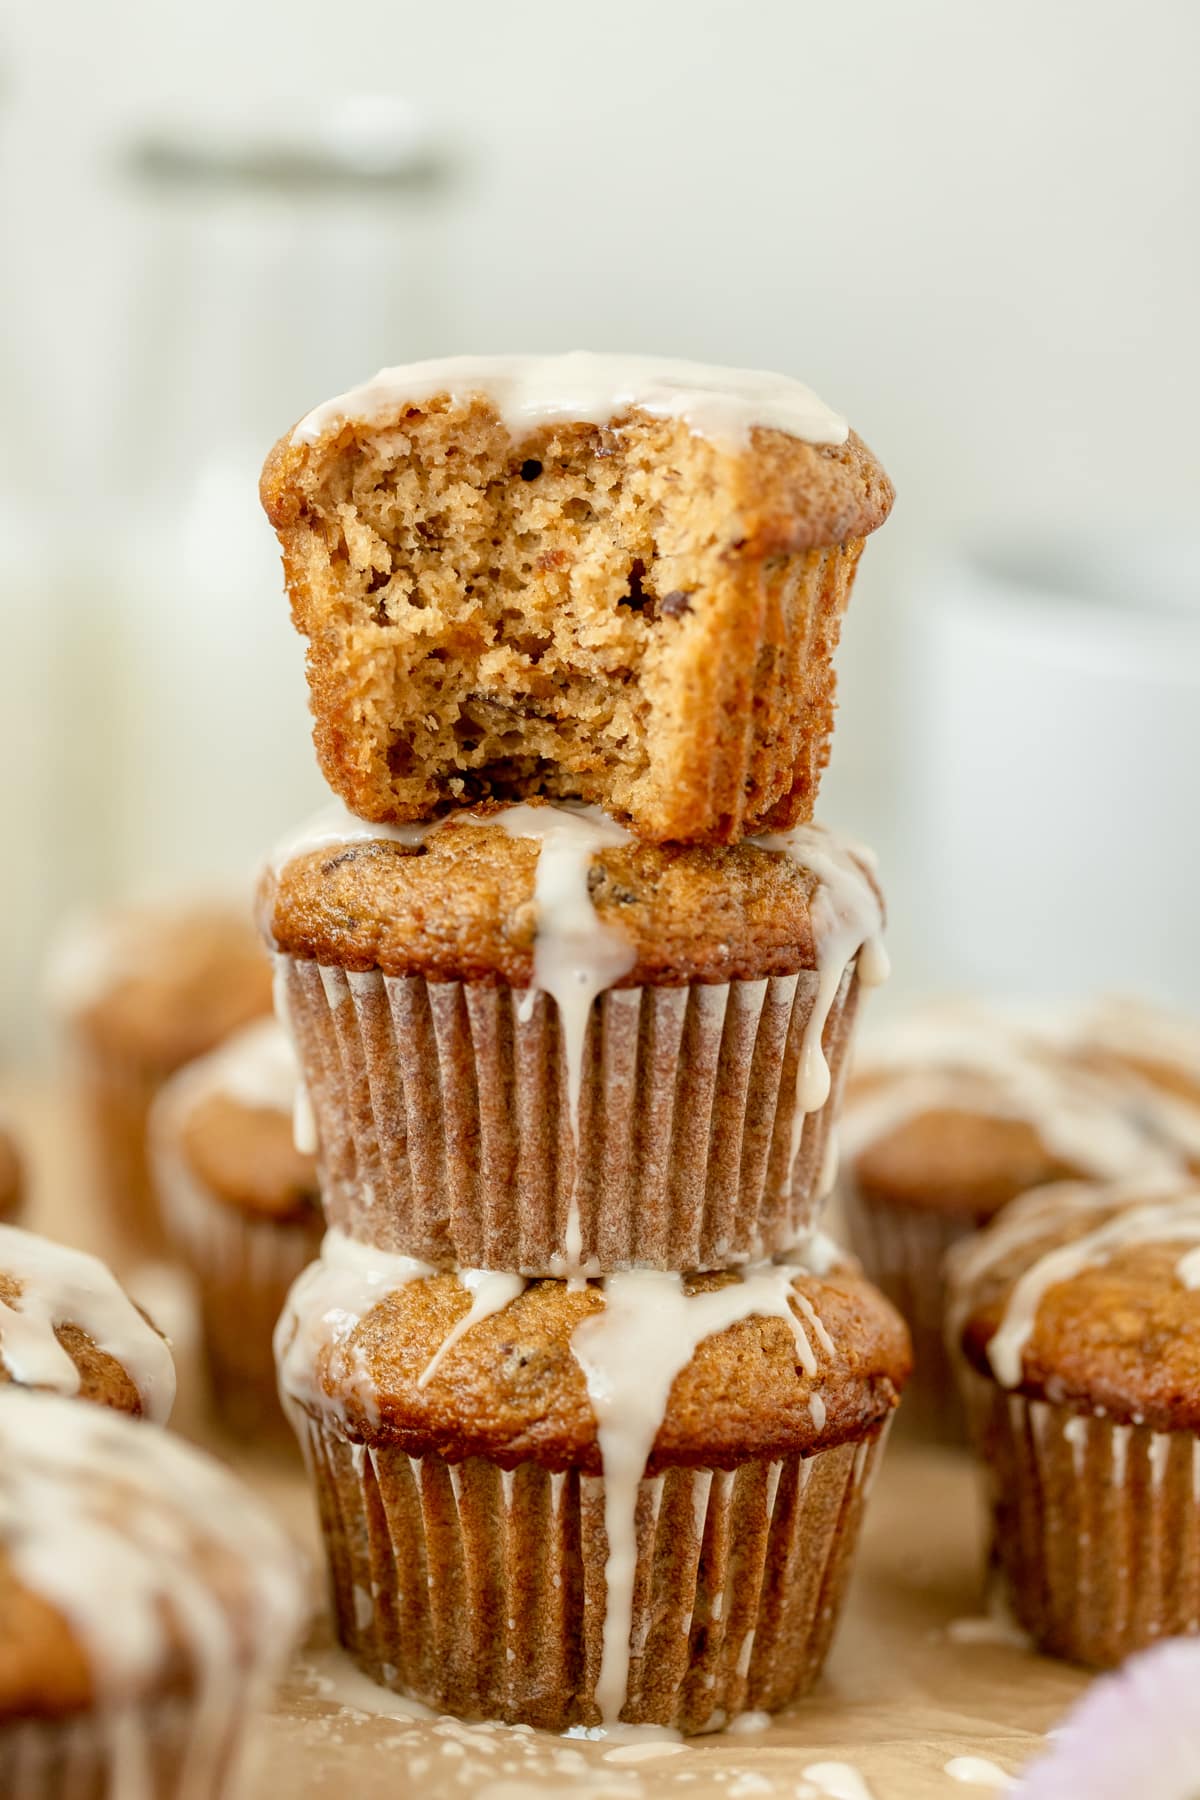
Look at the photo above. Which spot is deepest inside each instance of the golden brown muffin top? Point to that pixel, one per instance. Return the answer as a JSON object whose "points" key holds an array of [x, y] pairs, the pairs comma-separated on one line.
{"points": [[512, 1388], [460, 906], [68, 1327], [159, 985], [228, 1118], [132, 1566], [12, 1176], [1088, 1295], [957, 1109], [810, 483]]}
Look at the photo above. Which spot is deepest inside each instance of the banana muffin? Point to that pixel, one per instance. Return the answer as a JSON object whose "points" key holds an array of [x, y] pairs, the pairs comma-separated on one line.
{"points": [[950, 1113], [142, 990], [608, 579], [12, 1176], [1075, 1324], [147, 1606], [241, 1209], [531, 1042], [68, 1327], [567, 1504]]}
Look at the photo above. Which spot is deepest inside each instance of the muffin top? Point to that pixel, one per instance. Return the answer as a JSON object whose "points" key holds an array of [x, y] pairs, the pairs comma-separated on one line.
{"points": [[132, 1566], [1155, 1054], [1088, 1295], [958, 1109], [159, 985], [528, 1371], [12, 1176], [470, 898], [800, 477], [67, 1326], [227, 1120]]}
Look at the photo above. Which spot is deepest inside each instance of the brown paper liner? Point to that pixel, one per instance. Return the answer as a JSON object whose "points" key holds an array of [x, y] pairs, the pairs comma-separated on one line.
{"points": [[1096, 1525], [903, 1250], [445, 1130], [481, 1591], [115, 1097], [158, 1750], [243, 1266]]}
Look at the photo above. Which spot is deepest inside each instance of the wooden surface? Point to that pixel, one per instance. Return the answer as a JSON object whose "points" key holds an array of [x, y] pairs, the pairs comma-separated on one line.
{"points": [[908, 1686]]}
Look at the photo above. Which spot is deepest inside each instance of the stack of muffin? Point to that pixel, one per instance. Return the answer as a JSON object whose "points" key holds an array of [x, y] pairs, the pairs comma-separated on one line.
{"points": [[589, 1408]]}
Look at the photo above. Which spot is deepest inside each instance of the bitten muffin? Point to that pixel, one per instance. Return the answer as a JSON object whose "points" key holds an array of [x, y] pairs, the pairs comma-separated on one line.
{"points": [[951, 1113], [147, 1605], [533, 1043], [67, 1326], [599, 578], [141, 991], [1075, 1323], [241, 1209], [563, 1505]]}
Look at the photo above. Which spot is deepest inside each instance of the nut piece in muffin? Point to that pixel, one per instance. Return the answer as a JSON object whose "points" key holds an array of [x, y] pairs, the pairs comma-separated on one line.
{"points": [[533, 1043], [147, 1605], [241, 1209], [951, 1112], [608, 579], [563, 1505], [1075, 1323], [68, 1327], [142, 990]]}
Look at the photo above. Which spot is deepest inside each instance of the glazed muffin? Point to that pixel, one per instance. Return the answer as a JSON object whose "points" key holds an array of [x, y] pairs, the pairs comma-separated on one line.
{"points": [[594, 578], [951, 1113], [12, 1176], [533, 1043], [241, 1209], [68, 1327], [564, 1505], [147, 1605], [1153, 1053], [1075, 1324], [141, 991]]}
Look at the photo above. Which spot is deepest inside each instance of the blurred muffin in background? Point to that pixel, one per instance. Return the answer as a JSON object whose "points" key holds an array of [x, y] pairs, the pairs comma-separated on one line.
{"points": [[12, 1176], [1156, 1055], [240, 1206], [1074, 1321], [951, 1113], [68, 1327], [148, 1604], [140, 991]]}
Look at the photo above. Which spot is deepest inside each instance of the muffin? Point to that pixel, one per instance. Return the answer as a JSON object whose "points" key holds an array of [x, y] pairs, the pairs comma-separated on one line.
{"points": [[241, 1209], [67, 1326], [532, 1043], [561, 1504], [1075, 1324], [597, 578], [12, 1176], [141, 991], [951, 1113], [1156, 1055], [147, 1605]]}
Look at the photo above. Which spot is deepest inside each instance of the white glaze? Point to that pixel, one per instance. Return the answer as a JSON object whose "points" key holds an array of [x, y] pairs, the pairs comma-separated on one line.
{"points": [[837, 1781], [977, 1771], [255, 1067], [529, 391], [631, 1354], [1002, 1064], [491, 1291], [325, 1305], [60, 1286], [1168, 1213], [106, 1519], [334, 825]]}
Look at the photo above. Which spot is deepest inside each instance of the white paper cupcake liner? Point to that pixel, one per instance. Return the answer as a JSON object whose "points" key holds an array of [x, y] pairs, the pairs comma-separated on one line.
{"points": [[481, 1591], [443, 1119], [1096, 1525]]}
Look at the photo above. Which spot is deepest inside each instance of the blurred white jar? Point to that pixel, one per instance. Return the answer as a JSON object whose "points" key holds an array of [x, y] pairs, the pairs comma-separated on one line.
{"points": [[1056, 769]]}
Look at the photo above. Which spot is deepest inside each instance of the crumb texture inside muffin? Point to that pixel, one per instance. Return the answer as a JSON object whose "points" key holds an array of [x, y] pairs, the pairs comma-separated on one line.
{"points": [[580, 615]]}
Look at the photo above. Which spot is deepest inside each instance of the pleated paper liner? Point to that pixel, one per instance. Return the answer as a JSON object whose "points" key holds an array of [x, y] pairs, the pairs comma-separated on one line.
{"points": [[902, 1249], [132, 1751], [1096, 1524], [445, 1131], [243, 1266], [481, 1591]]}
